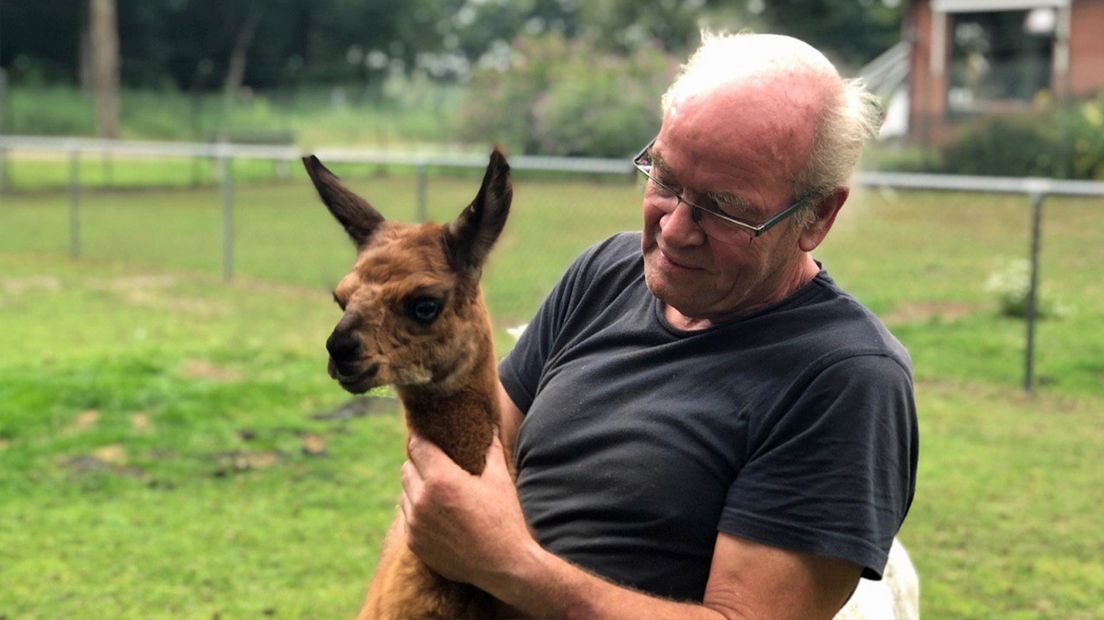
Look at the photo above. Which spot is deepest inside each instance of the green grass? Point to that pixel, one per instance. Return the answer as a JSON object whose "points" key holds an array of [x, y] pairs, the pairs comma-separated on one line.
{"points": [[419, 113], [153, 418]]}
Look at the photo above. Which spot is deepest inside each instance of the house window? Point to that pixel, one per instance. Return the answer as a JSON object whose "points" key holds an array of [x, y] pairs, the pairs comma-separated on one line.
{"points": [[1000, 61]]}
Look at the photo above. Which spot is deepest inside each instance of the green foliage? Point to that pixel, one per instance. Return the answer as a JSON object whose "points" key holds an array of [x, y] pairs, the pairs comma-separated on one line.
{"points": [[851, 33], [49, 111], [1084, 123], [1061, 142], [560, 97], [413, 110], [1011, 284], [1004, 146]]}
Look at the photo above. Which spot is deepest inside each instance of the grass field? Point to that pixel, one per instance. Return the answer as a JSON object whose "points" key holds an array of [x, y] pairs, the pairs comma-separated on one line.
{"points": [[418, 112], [171, 447]]}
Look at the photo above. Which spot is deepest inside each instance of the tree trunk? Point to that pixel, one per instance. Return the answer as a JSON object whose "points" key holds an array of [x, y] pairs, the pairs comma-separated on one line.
{"points": [[103, 30], [235, 72], [84, 69]]}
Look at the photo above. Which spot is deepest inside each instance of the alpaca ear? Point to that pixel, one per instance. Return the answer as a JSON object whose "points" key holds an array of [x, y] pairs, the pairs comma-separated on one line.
{"points": [[358, 217], [471, 235]]}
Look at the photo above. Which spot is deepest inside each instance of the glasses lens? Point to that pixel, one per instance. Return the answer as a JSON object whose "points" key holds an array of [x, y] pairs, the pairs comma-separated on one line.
{"points": [[721, 229]]}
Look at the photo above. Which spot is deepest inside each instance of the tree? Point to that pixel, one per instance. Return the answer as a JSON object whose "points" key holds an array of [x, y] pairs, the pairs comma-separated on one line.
{"points": [[103, 38], [850, 32], [235, 72]]}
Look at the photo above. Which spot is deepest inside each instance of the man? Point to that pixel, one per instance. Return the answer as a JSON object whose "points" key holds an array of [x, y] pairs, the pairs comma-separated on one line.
{"points": [[703, 424]]}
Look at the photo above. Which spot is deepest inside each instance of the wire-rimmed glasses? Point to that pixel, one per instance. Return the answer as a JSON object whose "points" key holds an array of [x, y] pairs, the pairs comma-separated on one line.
{"points": [[712, 220]]}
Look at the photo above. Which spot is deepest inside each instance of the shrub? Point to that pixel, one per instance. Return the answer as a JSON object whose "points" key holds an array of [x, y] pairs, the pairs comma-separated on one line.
{"points": [[1011, 283], [1085, 125], [561, 97], [1062, 142], [1005, 146]]}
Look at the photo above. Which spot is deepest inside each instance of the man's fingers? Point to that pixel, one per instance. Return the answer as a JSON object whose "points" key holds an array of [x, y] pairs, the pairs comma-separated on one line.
{"points": [[496, 455], [426, 455], [407, 509], [411, 479]]}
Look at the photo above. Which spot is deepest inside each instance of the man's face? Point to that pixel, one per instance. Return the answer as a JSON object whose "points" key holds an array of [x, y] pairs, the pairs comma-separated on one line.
{"points": [[705, 149]]}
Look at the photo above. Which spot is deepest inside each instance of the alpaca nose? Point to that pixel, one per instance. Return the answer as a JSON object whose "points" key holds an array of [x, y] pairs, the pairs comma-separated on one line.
{"points": [[343, 346]]}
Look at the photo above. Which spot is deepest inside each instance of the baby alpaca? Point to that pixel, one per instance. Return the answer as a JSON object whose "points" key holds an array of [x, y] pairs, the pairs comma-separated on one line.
{"points": [[415, 319]]}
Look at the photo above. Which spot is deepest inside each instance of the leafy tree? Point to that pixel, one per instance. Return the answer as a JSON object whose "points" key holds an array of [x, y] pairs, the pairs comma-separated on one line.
{"points": [[851, 32], [562, 97]]}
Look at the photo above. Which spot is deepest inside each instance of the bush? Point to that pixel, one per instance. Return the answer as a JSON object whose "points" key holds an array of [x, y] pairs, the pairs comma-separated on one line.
{"points": [[50, 111], [1011, 284], [1086, 148], [1006, 146], [561, 97], [1060, 142]]}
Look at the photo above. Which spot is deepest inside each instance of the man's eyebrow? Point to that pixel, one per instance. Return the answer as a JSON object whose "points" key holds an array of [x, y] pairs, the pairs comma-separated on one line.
{"points": [[659, 164], [733, 204]]}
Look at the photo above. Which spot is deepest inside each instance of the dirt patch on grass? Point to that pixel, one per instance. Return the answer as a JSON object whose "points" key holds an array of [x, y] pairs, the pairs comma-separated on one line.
{"points": [[105, 460], [29, 284], [313, 444], [359, 408], [242, 460], [201, 369], [926, 311], [84, 421], [113, 454], [140, 422], [154, 291]]}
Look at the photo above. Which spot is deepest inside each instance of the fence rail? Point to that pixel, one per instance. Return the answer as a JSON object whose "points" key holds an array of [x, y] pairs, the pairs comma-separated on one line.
{"points": [[1035, 189]]}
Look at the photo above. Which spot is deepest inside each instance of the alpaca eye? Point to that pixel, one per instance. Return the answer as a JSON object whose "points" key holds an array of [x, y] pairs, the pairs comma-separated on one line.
{"points": [[424, 310]]}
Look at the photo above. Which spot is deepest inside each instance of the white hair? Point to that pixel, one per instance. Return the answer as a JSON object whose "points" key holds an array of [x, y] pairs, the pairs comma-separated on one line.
{"points": [[849, 115]]}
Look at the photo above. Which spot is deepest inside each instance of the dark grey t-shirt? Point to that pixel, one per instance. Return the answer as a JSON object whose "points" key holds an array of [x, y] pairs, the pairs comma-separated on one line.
{"points": [[794, 427]]}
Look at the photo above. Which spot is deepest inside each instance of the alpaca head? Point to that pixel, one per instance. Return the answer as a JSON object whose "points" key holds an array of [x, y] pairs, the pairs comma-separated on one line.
{"points": [[413, 311]]}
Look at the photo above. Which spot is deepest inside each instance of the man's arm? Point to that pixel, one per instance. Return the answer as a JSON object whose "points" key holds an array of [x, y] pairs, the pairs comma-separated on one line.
{"points": [[508, 424], [472, 529]]}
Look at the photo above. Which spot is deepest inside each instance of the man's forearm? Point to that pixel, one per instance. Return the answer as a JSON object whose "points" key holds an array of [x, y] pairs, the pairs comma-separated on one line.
{"points": [[546, 586]]}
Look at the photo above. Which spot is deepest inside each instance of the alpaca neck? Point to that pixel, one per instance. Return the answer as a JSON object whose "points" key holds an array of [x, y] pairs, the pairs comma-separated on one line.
{"points": [[460, 420]]}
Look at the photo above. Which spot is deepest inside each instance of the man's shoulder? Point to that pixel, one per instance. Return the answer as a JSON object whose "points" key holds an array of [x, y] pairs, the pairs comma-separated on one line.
{"points": [[825, 324], [616, 257], [841, 326], [617, 250]]}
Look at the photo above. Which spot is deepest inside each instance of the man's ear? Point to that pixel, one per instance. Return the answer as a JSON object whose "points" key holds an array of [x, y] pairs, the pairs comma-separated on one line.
{"points": [[825, 212]]}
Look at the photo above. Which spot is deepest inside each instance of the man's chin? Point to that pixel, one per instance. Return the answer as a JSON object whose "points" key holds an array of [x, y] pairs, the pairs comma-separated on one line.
{"points": [[672, 294]]}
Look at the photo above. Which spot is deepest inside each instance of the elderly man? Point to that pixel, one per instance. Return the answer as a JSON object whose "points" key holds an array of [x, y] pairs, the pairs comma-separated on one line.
{"points": [[703, 424]]}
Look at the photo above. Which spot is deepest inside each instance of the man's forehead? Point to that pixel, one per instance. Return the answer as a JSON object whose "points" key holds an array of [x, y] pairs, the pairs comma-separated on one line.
{"points": [[764, 127]]}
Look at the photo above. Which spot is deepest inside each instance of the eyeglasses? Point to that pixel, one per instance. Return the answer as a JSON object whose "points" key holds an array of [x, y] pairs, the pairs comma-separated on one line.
{"points": [[712, 221]]}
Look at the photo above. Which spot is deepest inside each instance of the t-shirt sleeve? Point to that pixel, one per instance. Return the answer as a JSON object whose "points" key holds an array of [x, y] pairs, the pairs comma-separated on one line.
{"points": [[520, 371], [834, 474]]}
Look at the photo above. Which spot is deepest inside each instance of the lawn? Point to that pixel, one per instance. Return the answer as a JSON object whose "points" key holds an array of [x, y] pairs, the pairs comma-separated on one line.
{"points": [[171, 447]]}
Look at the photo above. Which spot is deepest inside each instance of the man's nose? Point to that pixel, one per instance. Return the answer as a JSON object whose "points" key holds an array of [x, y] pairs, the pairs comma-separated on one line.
{"points": [[680, 227]]}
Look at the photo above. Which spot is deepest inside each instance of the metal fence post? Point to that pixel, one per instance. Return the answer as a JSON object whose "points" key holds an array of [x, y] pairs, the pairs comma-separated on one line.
{"points": [[420, 171], [3, 169], [74, 203], [4, 185], [1033, 290], [227, 166]]}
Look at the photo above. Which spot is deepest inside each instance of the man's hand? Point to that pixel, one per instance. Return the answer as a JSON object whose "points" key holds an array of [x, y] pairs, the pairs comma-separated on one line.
{"points": [[467, 528]]}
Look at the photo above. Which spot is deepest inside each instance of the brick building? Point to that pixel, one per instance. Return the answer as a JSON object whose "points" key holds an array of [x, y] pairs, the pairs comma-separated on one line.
{"points": [[974, 57]]}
